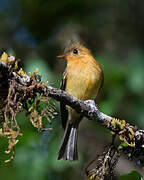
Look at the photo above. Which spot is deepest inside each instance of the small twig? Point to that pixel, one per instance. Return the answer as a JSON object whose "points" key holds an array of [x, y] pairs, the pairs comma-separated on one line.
{"points": [[102, 167]]}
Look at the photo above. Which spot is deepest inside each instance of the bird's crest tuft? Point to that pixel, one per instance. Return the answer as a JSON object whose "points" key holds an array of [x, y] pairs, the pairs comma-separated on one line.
{"points": [[72, 44]]}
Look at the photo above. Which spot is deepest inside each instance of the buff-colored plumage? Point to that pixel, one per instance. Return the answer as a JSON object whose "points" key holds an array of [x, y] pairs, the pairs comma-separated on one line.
{"points": [[83, 78]]}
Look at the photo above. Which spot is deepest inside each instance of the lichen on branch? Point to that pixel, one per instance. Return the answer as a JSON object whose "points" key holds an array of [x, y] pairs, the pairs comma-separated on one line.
{"points": [[18, 92]]}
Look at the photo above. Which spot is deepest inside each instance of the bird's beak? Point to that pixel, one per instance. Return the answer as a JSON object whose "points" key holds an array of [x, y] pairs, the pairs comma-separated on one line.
{"points": [[63, 56]]}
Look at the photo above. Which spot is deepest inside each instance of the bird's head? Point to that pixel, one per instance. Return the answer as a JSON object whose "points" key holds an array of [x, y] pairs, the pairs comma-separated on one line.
{"points": [[75, 51]]}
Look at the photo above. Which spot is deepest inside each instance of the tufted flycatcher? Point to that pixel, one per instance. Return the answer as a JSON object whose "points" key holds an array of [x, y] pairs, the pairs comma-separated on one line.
{"points": [[82, 78]]}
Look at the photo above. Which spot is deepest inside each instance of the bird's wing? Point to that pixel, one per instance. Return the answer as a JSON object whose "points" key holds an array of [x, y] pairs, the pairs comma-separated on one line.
{"points": [[63, 110]]}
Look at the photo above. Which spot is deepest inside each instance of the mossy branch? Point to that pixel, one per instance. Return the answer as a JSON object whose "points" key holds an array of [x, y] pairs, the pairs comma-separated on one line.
{"points": [[18, 88]]}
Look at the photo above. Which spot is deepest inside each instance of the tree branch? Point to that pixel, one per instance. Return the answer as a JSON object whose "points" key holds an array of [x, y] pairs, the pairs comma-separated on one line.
{"points": [[26, 87], [128, 133]]}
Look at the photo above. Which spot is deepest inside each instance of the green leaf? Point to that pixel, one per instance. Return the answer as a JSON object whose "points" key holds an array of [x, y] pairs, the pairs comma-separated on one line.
{"points": [[133, 175], [122, 145]]}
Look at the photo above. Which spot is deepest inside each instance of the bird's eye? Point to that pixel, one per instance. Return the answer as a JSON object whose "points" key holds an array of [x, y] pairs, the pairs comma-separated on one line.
{"points": [[75, 51]]}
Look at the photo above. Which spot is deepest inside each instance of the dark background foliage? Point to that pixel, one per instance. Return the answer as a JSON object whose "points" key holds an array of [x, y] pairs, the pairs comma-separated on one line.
{"points": [[36, 32]]}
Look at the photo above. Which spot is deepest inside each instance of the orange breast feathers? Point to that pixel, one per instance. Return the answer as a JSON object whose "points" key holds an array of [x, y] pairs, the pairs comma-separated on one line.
{"points": [[84, 78]]}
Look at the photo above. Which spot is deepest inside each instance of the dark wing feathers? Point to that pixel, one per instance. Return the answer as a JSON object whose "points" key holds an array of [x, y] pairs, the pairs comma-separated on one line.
{"points": [[63, 110]]}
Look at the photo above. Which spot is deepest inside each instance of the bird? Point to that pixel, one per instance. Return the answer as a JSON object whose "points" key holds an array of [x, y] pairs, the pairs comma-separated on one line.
{"points": [[83, 79]]}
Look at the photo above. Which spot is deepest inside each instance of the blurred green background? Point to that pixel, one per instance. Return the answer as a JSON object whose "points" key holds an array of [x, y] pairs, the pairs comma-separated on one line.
{"points": [[36, 32]]}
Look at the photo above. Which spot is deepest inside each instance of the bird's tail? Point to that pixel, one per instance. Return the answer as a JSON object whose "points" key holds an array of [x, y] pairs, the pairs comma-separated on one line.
{"points": [[68, 148]]}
